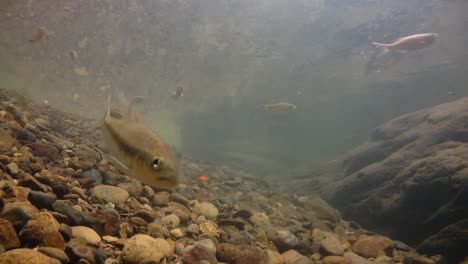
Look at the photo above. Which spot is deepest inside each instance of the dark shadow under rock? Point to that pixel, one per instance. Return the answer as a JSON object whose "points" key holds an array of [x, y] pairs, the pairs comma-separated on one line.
{"points": [[409, 180]]}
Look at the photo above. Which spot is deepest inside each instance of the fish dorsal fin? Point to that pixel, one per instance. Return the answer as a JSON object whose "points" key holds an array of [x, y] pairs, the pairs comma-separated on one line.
{"points": [[133, 113], [113, 112]]}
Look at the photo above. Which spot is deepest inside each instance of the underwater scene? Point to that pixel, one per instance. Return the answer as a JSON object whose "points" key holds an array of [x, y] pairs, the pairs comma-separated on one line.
{"points": [[234, 131]]}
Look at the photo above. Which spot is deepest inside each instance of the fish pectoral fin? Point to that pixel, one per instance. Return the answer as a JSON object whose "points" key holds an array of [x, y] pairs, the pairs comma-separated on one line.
{"points": [[133, 113], [115, 161]]}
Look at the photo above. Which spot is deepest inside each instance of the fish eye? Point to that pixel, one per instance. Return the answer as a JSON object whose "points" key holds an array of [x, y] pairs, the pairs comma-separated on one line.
{"points": [[156, 163]]}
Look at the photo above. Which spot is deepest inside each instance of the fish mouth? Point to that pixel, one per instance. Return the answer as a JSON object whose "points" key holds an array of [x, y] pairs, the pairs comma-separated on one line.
{"points": [[167, 182]]}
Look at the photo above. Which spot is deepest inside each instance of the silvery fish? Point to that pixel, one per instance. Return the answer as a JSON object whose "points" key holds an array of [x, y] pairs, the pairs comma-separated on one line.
{"points": [[280, 107], [137, 149]]}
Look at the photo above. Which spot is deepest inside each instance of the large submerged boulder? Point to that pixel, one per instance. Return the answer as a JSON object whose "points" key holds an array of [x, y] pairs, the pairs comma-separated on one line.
{"points": [[411, 178]]}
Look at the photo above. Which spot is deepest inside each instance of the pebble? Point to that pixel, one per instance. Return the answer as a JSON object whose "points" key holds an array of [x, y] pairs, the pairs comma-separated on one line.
{"points": [[33, 183], [94, 174], [353, 258], [156, 229], [78, 252], [193, 229], [260, 220], [206, 243], [133, 188], [370, 246], [55, 253], [77, 218], [26, 256], [148, 192], [206, 209], [243, 254], [111, 261], [111, 219], [8, 237], [110, 194], [179, 198], [110, 239], [146, 215], [42, 200], [196, 254], [18, 213], [6, 140], [177, 233], [294, 257], [171, 221], [331, 245], [142, 247], [333, 260], [12, 168], [42, 231], [417, 260], [161, 199], [66, 231], [138, 221], [284, 240], [86, 233]]}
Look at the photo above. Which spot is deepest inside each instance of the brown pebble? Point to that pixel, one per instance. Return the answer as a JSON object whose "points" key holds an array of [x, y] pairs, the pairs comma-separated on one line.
{"points": [[370, 246], [8, 237], [138, 221]]}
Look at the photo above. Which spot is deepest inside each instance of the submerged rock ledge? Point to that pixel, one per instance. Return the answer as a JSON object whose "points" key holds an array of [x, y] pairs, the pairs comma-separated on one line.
{"points": [[55, 207], [410, 180]]}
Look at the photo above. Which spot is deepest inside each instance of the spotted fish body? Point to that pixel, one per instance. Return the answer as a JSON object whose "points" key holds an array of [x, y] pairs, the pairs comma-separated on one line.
{"points": [[138, 150]]}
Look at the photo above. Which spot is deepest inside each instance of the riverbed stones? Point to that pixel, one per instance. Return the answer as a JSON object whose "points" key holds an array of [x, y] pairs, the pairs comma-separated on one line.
{"points": [[206, 209], [87, 234], [42, 231], [233, 218], [243, 254], [110, 194], [8, 237], [196, 254], [142, 247], [370, 246], [55, 253], [284, 240], [26, 256]]}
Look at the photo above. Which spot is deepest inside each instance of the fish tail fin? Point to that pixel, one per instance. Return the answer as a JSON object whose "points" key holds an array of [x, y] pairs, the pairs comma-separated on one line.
{"points": [[132, 109], [380, 45], [383, 48]]}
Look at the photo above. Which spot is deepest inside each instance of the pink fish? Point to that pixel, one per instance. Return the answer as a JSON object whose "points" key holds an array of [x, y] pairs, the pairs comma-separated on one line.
{"points": [[409, 43]]}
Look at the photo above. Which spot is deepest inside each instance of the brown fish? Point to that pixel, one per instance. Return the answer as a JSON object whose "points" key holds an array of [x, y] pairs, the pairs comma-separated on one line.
{"points": [[40, 34], [137, 149], [280, 107], [409, 43]]}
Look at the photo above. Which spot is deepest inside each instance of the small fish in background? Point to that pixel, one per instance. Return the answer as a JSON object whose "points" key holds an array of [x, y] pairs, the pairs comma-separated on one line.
{"points": [[280, 107], [137, 150], [39, 35], [392, 53], [179, 91], [409, 43]]}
